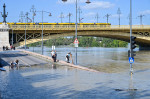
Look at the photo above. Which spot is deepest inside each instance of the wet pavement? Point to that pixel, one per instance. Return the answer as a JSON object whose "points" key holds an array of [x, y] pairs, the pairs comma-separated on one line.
{"points": [[6, 57], [53, 81], [57, 82]]}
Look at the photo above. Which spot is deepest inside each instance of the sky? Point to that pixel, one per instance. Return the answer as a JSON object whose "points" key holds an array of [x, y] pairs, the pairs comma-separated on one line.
{"points": [[89, 11]]}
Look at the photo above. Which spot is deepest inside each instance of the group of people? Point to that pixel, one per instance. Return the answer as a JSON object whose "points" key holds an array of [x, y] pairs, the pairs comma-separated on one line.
{"points": [[68, 56], [54, 55], [12, 47], [6, 48], [14, 64]]}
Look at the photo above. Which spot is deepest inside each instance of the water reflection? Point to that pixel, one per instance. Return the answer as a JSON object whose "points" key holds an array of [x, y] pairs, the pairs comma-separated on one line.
{"points": [[54, 66]]}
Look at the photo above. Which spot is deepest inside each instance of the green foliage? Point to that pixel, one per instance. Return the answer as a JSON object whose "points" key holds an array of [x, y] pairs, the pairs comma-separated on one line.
{"points": [[84, 42]]}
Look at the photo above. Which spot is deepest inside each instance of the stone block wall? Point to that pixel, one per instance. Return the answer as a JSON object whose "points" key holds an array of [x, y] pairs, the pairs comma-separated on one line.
{"points": [[4, 35]]}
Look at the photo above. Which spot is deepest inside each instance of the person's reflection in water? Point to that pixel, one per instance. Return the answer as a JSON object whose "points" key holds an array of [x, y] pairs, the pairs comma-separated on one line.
{"points": [[54, 66]]}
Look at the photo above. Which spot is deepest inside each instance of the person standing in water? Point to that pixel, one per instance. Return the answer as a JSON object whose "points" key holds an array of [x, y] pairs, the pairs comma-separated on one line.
{"points": [[71, 57], [67, 57], [55, 58], [53, 55]]}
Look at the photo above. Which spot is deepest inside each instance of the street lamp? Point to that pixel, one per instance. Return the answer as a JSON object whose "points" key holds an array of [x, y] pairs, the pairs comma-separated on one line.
{"points": [[119, 12], [42, 26], [88, 1], [33, 10], [26, 21]]}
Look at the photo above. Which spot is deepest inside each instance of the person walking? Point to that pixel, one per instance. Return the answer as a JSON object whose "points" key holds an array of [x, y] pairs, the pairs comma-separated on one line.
{"points": [[14, 47], [11, 47], [3, 48]]}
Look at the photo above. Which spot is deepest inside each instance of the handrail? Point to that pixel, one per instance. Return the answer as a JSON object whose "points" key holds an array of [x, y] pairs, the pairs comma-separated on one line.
{"points": [[80, 27]]}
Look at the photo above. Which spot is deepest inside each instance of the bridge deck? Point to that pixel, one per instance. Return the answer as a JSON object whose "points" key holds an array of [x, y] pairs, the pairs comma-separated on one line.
{"points": [[80, 27]]}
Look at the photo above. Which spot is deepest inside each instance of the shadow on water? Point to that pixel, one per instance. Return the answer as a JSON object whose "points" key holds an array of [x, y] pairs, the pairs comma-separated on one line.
{"points": [[0, 95], [3, 63], [16, 86], [11, 54]]}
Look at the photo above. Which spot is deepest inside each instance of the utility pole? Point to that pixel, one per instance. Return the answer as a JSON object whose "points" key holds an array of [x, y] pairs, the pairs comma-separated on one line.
{"points": [[107, 15], [69, 16], [141, 17], [119, 12], [61, 16], [97, 17], [33, 10], [79, 9]]}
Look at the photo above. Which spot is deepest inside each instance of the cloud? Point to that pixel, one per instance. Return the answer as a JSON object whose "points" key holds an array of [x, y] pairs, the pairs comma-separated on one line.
{"points": [[92, 21], [89, 14], [99, 4], [146, 12], [70, 1], [116, 16]]}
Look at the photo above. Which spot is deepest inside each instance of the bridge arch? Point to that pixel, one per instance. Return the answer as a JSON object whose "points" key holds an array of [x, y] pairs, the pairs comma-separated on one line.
{"points": [[124, 36]]}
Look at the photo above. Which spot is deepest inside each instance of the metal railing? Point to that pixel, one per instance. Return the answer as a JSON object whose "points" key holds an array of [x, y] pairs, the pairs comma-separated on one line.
{"points": [[80, 27]]}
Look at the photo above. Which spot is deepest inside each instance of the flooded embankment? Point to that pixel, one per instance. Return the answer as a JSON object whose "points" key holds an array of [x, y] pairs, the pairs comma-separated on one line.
{"points": [[58, 81]]}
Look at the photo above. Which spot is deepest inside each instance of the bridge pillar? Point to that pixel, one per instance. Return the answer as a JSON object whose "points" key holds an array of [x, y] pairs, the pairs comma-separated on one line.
{"points": [[144, 47], [4, 35]]}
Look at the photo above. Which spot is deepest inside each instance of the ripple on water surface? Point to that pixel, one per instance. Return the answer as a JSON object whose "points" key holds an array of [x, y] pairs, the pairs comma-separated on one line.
{"points": [[53, 82]]}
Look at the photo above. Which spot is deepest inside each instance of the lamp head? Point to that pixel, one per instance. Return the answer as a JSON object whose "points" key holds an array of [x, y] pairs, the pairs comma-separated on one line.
{"points": [[64, 0], [88, 2], [50, 14], [19, 20]]}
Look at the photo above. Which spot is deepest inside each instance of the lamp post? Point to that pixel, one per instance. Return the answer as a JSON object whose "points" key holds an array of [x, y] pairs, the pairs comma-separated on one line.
{"points": [[26, 21], [69, 16], [42, 26], [119, 12], [88, 1], [33, 10]]}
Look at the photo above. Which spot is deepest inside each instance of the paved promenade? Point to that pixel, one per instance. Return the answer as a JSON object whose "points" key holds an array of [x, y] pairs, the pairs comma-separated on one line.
{"points": [[60, 61], [24, 59], [27, 58]]}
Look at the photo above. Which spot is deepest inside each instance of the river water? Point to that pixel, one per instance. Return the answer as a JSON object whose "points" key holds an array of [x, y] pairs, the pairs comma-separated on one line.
{"points": [[53, 81]]}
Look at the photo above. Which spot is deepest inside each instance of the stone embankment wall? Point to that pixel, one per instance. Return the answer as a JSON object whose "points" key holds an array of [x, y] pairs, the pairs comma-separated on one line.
{"points": [[4, 35]]}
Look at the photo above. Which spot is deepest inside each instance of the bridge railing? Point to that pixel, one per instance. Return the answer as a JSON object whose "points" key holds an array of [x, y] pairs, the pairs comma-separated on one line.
{"points": [[80, 27]]}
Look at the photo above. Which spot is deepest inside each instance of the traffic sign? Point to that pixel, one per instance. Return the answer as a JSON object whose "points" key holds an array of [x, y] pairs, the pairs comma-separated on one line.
{"points": [[131, 60], [76, 41]]}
